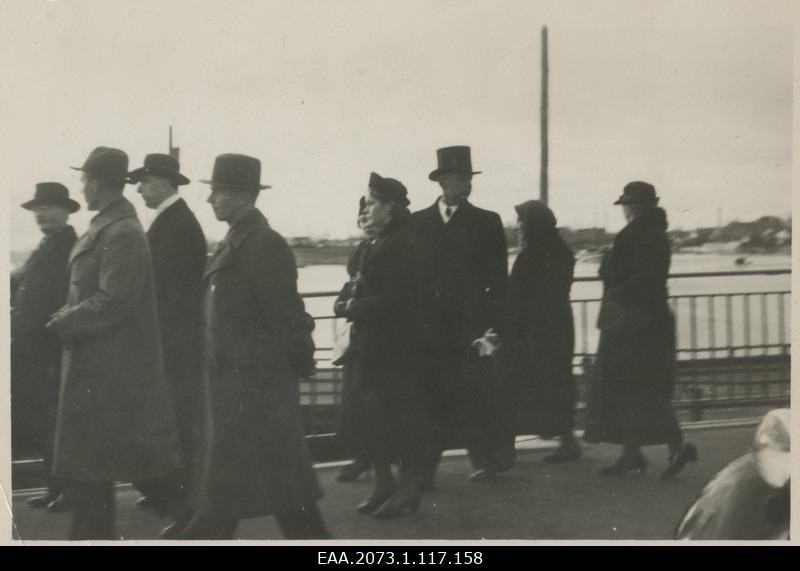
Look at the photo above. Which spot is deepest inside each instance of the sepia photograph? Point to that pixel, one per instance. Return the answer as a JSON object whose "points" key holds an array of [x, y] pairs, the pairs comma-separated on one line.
{"points": [[376, 272]]}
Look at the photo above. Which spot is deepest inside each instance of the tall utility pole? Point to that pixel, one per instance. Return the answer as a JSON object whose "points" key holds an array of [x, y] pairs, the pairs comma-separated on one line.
{"points": [[175, 152], [543, 178]]}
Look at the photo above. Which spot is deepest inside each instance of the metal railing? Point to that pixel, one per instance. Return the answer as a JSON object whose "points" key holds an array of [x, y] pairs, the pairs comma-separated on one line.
{"points": [[733, 350]]}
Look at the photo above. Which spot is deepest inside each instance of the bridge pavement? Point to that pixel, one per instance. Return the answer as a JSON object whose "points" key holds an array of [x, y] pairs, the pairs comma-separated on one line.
{"points": [[532, 501]]}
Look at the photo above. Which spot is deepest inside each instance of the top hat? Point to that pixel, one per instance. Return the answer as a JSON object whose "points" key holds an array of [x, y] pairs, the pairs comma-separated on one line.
{"points": [[52, 194], [453, 160], [389, 189], [638, 192], [237, 172], [111, 164], [162, 165]]}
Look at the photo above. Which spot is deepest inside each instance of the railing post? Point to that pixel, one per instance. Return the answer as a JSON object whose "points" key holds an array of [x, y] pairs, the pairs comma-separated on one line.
{"points": [[696, 409]]}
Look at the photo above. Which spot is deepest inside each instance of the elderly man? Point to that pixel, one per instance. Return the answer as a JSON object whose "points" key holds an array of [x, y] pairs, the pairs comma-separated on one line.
{"points": [[114, 417], [467, 265], [38, 290], [178, 252], [253, 461]]}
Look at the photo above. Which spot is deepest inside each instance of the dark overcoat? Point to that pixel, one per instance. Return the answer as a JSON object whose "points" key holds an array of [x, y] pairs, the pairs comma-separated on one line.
{"points": [[37, 291], [387, 315], [466, 267], [539, 337], [253, 460], [115, 419], [631, 392], [178, 250]]}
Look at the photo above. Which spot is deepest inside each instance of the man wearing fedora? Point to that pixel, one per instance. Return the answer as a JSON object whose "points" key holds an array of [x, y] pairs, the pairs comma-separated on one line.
{"points": [[253, 460], [37, 291], [115, 420], [466, 260], [178, 254]]}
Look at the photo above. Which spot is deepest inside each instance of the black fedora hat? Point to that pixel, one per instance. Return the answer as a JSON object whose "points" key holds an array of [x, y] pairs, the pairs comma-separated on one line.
{"points": [[638, 192], [51, 194], [389, 189], [162, 165], [107, 162], [455, 159], [237, 172]]}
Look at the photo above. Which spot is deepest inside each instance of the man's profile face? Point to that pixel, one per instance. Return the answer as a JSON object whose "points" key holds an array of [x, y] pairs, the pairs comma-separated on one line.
{"points": [[225, 202], [90, 191], [50, 218], [456, 187], [154, 190]]}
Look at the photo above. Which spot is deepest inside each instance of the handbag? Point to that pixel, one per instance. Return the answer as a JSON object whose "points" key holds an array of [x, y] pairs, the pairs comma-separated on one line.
{"points": [[342, 344], [617, 316]]}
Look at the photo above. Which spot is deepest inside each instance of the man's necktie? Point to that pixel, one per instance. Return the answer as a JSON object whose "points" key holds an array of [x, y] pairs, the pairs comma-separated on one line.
{"points": [[448, 212]]}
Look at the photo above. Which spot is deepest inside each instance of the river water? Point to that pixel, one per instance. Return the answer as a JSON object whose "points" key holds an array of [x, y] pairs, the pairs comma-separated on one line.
{"points": [[711, 324]]}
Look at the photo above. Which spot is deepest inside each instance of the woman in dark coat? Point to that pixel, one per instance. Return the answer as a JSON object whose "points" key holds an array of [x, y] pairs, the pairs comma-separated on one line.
{"points": [[351, 402], [388, 368], [631, 396], [539, 335]]}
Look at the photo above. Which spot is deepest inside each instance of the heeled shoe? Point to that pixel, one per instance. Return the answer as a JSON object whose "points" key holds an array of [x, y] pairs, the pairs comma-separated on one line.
{"points": [[397, 504], [42, 501], [483, 474], [678, 460], [626, 465], [61, 504], [375, 501]]}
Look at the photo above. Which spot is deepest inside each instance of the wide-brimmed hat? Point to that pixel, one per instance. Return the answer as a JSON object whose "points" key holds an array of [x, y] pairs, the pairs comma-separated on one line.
{"points": [[638, 192], [237, 172], [159, 164], [389, 189], [51, 194], [455, 159], [108, 163]]}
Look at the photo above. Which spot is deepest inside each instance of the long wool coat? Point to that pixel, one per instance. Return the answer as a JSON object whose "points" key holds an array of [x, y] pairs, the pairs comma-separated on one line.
{"points": [[115, 420], [539, 337], [253, 460], [178, 249], [631, 393]]}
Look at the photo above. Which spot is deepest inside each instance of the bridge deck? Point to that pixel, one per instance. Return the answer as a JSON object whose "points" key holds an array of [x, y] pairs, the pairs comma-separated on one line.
{"points": [[532, 501]]}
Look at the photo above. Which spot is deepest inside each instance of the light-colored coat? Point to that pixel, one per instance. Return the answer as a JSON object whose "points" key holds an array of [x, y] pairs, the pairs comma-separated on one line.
{"points": [[114, 421]]}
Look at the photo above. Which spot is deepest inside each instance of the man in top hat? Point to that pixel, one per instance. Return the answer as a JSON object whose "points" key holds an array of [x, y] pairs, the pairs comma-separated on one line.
{"points": [[466, 261], [178, 254], [115, 419], [253, 460], [37, 291]]}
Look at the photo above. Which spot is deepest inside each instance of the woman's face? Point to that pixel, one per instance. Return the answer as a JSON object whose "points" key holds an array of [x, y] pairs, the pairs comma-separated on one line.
{"points": [[518, 229], [378, 213]]}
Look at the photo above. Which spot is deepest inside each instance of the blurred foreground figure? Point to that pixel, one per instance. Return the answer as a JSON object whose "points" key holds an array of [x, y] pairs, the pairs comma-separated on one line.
{"points": [[37, 291], [750, 498], [253, 459]]}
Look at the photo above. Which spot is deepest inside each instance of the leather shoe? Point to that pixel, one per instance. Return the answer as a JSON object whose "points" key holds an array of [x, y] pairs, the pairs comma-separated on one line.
{"points": [[482, 475], [61, 504], [177, 527], [41, 501], [677, 461], [148, 503]]}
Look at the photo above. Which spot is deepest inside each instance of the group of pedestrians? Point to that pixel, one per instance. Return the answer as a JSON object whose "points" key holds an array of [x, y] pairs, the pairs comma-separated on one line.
{"points": [[446, 349], [144, 360]]}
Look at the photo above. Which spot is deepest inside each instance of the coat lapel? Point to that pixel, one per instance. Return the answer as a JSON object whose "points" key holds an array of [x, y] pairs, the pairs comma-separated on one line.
{"points": [[113, 213], [224, 254]]}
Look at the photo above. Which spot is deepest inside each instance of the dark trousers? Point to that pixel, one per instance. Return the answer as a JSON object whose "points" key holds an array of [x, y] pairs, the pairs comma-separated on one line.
{"points": [[472, 407], [93, 510], [168, 492]]}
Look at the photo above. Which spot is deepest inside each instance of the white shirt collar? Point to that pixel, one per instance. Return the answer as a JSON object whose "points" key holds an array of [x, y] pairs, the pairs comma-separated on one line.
{"points": [[443, 207], [166, 204]]}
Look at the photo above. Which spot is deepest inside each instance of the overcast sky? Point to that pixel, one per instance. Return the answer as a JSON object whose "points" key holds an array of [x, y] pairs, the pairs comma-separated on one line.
{"points": [[695, 97]]}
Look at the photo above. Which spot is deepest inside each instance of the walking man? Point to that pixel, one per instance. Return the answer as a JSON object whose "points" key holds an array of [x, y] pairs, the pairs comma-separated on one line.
{"points": [[115, 420], [466, 262], [253, 461], [178, 253]]}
